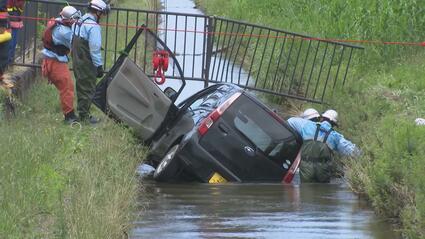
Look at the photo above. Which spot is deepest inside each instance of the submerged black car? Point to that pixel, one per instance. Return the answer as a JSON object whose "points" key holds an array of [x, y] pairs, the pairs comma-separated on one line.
{"points": [[220, 134]]}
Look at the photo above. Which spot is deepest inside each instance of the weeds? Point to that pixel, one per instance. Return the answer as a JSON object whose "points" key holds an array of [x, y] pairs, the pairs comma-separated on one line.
{"points": [[58, 181]]}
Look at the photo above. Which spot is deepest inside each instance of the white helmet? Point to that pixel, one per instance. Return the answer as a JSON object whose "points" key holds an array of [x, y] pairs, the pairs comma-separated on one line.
{"points": [[70, 13], [99, 5], [310, 114], [331, 115]]}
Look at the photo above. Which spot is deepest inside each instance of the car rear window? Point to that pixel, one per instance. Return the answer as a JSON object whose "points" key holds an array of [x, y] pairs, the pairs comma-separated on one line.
{"points": [[265, 132]]}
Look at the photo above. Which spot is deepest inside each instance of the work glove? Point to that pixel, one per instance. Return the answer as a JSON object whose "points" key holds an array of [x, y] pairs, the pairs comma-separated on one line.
{"points": [[99, 71]]}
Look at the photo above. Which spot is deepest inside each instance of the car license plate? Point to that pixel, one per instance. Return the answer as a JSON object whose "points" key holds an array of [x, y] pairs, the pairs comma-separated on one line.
{"points": [[217, 178]]}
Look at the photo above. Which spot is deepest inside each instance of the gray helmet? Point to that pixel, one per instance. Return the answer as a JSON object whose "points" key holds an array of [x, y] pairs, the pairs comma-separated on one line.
{"points": [[100, 6]]}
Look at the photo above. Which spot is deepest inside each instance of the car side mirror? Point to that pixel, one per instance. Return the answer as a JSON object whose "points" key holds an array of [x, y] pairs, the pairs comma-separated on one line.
{"points": [[170, 93]]}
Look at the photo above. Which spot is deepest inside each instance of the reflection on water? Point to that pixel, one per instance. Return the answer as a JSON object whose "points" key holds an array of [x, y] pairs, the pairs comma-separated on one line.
{"points": [[255, 211]]}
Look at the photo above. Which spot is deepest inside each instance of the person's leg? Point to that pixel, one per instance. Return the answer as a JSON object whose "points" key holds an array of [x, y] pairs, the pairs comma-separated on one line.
{"points": [[3, 57], [61, 78], [12, 46], [307, 171], [85, 89], [323, 172], [85, 77]]}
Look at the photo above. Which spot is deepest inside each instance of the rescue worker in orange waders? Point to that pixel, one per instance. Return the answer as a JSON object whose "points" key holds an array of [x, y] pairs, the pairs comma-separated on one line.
{"points": [[15, 8], [57, 40], [5, 37], [87, 58]]}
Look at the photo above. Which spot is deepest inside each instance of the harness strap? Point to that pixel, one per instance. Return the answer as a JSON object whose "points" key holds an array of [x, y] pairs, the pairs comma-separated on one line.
{"points": [[317, 132], [48, 41], [327, 133], [79, 24]]}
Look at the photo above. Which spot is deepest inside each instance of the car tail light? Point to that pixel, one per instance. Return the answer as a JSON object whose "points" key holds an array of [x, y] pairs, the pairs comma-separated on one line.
{"points": [[216, 114], [293, 169]]}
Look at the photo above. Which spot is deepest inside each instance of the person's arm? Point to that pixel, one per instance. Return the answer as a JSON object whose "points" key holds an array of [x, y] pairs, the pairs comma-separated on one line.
{"points": [[95, 44], [346, 147], [67, 37], [295, 123]]}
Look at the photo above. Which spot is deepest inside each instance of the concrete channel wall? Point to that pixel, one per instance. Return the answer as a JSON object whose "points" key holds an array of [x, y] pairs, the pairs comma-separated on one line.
{"points": [[18, 82]]}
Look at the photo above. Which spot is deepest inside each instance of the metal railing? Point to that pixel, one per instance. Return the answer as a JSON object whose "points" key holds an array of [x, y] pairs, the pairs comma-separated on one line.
{"points": [[276, 61], [212, 49]]}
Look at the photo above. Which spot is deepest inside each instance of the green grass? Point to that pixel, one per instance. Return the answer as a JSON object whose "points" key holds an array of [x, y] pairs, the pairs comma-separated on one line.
{"points": [[385, 92], [354, 20], [379, 115], [63, 182], [117, 35]]}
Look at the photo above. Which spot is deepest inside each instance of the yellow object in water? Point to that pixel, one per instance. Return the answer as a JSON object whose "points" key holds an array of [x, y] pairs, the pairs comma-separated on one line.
{"points": [[4, 37], [217, 178]]}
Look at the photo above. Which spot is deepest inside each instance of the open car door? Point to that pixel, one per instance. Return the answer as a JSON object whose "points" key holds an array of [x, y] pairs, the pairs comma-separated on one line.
{"points": [[127, 93]]}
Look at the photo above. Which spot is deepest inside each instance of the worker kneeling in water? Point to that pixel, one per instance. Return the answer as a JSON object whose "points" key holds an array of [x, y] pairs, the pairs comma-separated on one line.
{"points": [[5, 37], [320, 140], [57, 40]]}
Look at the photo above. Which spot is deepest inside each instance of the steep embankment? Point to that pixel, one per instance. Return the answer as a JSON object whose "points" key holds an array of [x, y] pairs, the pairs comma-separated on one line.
{"points": [[63, 182], [386, 91], [58, 181]]}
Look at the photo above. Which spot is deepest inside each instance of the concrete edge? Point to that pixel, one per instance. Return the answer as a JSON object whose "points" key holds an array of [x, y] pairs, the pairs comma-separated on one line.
{"points": [[20, 83]]}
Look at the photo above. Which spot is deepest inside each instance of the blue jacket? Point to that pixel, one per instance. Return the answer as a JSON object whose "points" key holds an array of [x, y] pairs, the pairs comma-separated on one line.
{"points": [[336, 141], [62, 35], [90, 31]]}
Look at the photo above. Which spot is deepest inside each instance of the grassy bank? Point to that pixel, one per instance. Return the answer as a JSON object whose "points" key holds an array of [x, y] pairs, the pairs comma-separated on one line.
{"points": [[58, 181], [385, 94], [63, 182]]}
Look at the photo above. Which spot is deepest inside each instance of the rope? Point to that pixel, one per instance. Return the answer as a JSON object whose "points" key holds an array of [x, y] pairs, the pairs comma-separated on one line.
{"points": [[376, 42]]}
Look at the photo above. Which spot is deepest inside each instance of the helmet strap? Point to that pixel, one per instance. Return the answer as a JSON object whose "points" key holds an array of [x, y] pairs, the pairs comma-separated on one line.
{"points": [[98, 15]]}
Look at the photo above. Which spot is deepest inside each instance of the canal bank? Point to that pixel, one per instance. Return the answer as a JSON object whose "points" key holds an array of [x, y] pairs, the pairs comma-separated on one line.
{"points": [[63, 182], [251, 211], [58, 181], [385, 93]]}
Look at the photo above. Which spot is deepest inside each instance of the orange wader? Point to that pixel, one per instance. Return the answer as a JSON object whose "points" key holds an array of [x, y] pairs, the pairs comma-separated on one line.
{"points": [[59, 75]]}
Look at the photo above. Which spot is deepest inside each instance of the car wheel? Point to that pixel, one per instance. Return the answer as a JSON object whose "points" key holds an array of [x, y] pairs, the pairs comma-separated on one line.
{"points": [[168, 166]]}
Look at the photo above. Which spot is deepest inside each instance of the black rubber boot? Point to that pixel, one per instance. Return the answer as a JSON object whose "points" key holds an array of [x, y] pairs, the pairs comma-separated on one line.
{"points": [[93, 120], [70, 118]]}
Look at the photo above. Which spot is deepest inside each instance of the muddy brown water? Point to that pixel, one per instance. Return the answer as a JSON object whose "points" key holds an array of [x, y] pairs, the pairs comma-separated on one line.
{"points": [[251, 210]]}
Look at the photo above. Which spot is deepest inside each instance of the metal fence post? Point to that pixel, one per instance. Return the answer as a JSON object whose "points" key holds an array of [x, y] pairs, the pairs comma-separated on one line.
{"points": [[209, 37]]}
